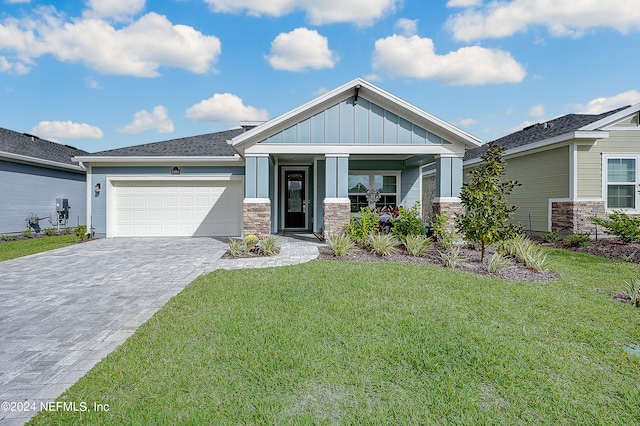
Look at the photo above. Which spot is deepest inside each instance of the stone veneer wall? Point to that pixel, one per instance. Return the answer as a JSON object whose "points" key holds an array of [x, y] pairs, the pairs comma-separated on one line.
{"points": [[450, 208], [570, 217], [257, 219], [336, 216]]}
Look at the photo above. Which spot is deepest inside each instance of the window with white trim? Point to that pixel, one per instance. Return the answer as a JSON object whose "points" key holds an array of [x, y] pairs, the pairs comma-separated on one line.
{"points": [[385, 186], [621, 182]]}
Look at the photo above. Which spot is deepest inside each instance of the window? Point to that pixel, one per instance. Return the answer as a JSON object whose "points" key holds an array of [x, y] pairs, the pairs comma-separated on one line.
{"points": [[621, 182], [362, 184]]}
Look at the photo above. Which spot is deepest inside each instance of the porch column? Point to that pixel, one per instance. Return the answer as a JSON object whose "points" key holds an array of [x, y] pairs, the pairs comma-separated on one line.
{"points": [[257, 204], [337, 206], [448, 186]]}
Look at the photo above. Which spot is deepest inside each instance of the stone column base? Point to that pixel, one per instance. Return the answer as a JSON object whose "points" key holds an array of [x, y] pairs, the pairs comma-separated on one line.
{"points": [[449, 207], [337, 214], [572, 217], [257, 217]]}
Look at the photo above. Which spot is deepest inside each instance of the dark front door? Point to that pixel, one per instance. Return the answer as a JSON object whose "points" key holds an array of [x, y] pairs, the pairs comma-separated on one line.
{"points": [[294, 199]]}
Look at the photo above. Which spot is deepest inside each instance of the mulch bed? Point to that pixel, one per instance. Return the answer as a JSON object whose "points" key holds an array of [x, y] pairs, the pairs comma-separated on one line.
{"points": [[513, 272], [611, 248]]}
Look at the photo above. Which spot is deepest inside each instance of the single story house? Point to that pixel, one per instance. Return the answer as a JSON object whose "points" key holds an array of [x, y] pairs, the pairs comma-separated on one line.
{"points": [[306, 170], [571, 168], [37, 177]]}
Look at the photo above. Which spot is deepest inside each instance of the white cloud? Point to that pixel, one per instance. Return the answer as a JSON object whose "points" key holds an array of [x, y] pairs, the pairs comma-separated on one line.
{"points": [[537, 111], [225, 108], [415, 57], [466, 122], [144, 120], [118, 10], [600, 105], [92, 83], [17, 1], [137, 49], [407, 27], [561, 18], [13, 67], [464, 3], [66, 130], [359, 12], [301, 49]]}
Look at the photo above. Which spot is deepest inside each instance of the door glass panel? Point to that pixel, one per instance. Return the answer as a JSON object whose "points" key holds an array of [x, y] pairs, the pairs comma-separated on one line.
{"points": [[294, 190]]}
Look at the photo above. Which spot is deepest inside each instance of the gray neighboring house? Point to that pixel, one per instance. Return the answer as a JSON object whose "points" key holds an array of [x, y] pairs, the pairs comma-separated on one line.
{"points": [[571, 168], [36, 175]]}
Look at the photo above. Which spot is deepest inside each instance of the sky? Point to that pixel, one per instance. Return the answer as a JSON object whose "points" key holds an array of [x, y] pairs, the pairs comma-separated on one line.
{"points": [[104, 74]]}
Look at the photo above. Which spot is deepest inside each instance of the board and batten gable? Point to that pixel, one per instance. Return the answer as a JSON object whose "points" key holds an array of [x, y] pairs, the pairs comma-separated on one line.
{"points": [[29, 189], [589, 160], [103, 174]]}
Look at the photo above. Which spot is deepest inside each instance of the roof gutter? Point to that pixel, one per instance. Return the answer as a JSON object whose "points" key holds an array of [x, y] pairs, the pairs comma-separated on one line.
{"points": [[41, 162], [157, 159]]}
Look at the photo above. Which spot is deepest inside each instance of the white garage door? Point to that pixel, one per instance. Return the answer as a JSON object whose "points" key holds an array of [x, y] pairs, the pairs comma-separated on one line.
{"points": [[176, 208]]}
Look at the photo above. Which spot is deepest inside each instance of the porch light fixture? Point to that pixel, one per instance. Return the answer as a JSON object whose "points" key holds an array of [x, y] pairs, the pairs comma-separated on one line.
{"points": [[97, 188]]}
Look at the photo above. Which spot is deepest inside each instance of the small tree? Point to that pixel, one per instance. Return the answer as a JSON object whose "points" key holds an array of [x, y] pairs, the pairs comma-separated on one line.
{"points": [[485, 220]]}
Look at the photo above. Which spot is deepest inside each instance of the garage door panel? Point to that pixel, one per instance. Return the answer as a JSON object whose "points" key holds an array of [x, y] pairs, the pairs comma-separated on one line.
{"points": [[165, 208]]}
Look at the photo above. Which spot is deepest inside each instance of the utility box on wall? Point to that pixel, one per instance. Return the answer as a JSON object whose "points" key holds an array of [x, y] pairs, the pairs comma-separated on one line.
{"points": [[62, 204]]}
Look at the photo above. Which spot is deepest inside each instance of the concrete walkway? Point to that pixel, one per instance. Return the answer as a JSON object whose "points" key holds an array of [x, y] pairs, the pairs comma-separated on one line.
{"points": [[63, 311]]}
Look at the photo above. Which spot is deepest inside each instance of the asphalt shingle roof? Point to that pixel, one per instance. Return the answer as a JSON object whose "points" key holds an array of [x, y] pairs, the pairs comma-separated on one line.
{"points": [[211, 144], [32, 146], [542, 131]]}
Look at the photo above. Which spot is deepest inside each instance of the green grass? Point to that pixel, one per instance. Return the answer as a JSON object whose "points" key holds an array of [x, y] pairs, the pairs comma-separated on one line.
{"points": [[19, 248], [377, 343]]}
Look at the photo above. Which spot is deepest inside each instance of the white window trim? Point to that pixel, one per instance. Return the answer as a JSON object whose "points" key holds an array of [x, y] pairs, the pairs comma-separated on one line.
{"points": [[372, 173], [605, 180]]}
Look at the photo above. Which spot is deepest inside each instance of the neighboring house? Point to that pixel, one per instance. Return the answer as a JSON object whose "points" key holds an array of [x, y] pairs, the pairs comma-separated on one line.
{"points": [[571, 168], [307, 170], [35, 174]]}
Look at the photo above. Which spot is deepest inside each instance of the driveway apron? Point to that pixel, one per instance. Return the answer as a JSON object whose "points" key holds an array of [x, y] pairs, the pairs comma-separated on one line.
{"points": [[62, 311]]}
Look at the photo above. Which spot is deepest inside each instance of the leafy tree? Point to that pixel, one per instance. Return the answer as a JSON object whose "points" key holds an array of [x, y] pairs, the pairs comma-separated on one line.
{"points": [[487, 214]]}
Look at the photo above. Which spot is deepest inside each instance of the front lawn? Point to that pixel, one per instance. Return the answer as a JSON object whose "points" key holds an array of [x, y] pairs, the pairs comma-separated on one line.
{"points": [[19, 248], [377, 343]]}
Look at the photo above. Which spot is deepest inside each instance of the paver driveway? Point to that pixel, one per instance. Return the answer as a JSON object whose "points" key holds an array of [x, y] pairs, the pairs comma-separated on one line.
{"points": [[62, 311]]}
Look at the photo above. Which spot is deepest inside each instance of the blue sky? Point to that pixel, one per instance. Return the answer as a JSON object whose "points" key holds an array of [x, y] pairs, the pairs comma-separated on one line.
{"points": [[103, 74]]}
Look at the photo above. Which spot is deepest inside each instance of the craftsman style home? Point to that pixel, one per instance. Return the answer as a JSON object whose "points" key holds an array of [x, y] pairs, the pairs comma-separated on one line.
{"points": [[306, 170]]}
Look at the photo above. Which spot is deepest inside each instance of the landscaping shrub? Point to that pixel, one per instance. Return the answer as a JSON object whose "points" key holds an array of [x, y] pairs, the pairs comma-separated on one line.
{"points": [[578, 240], [250, 241], [621, 225], [81, 231], [524, 251], [452, 258], [416, 245], [407, 222], [28, 233], [359, 228], [340, 244], [443, 235], [237, 247], [49, 232], [551, 237], [383, 244], [632, 288], [268, 246], [497, 263]]}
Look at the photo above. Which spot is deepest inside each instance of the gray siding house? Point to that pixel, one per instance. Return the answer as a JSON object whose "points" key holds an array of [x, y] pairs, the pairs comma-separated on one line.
{"points": [[35, 174], [571, 168], [309, 170]]}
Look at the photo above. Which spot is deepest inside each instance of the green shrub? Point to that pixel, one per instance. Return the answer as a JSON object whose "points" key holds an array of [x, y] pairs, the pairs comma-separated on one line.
{"points": [[416, 245], [250, 241], [340, 244], [621, 225], [49, 232], [632, 288], [383, 244], [67, 231], [497, 263], [578, 240], [8, 238], [452, 258], [407, 222], [81, 231], [237, 247], [551, 237], [525, 251], [360, 228], [443, 235], [27, 234], [268, 246]]}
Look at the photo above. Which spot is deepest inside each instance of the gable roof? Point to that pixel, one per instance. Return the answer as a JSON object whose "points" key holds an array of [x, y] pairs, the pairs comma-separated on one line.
{"points": [[567, 125], [208, 145], [359, 88], [28, 148]]}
